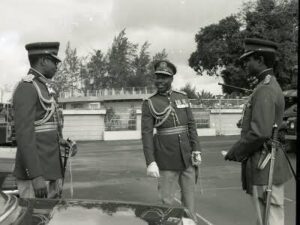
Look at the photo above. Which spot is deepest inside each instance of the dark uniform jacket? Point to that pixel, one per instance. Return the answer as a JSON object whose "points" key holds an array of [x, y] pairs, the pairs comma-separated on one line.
{"points": [[265, 107], [172, 151], [37, 137]]}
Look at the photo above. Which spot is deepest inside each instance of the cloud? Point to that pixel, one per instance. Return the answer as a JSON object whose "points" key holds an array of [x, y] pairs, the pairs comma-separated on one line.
{"points": [[184, 15], [92, 24], [186, 75]]}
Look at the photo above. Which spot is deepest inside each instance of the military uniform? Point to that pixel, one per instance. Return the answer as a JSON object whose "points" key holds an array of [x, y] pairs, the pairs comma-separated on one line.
{"points": [[264, 108], [176, 135], [170, 115], [36, 126]]}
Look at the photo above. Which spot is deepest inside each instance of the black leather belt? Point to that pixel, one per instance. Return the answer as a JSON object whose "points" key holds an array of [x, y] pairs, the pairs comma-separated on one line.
{"points": [[172, 130]]}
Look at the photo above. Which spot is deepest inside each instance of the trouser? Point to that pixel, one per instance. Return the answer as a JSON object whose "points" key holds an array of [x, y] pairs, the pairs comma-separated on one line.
{"points": [[276, 213], [167, 187], [26, 190]]}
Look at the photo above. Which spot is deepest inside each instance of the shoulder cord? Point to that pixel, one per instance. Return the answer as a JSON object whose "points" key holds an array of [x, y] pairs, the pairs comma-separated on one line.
{"points": [[161, 117], [155, 112], [49, 110]]}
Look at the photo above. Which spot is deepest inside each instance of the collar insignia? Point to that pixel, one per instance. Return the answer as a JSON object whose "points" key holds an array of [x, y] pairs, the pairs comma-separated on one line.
{"points": [[267, 79], [28, 78]]}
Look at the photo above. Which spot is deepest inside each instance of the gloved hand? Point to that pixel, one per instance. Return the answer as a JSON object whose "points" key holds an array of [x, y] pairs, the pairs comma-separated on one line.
{"points": [[40, 187], [152, 170], [196, 158]]}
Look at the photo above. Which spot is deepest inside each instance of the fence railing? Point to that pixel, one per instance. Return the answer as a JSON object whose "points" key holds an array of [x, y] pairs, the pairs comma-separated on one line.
{"points": [[218, 103], [125, 118], [108, 92], [118, 119], [202, 118]]}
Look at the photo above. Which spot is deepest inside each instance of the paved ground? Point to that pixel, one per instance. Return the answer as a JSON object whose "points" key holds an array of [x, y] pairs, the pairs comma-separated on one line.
{"points": [[116, 171]]}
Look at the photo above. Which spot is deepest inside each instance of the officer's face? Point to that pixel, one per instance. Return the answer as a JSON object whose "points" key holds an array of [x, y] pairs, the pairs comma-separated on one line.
{"points": [[163, 82], [50, 66], [252, 66]]}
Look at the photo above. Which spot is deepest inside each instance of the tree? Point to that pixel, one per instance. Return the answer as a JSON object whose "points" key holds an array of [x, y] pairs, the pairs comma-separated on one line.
{"points": [[120, 59], [94, 74], [68, 75], [205, 95], [121, 67], [140, 76], [219, 46], [190, 91]]}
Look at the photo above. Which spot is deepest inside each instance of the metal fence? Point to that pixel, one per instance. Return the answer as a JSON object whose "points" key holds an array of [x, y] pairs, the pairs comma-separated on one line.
{"points": [[218, 103], [108, 92], [202, 117], [120, 119]]}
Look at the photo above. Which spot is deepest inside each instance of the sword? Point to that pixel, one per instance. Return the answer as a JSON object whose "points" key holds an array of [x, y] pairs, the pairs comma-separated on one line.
{"points": [[268, 191]]}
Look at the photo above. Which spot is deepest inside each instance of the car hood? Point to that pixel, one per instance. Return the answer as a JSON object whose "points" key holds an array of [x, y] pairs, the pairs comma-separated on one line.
{"points": [[79, 212]]}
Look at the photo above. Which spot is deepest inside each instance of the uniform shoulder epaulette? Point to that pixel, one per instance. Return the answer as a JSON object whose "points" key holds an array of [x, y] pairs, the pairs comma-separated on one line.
{"points": [[150, 96], [180, 92], [28, 78], [267, 79]]}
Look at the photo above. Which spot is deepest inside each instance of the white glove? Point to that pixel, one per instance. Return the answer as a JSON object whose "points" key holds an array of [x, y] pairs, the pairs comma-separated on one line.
{"points": [[196, 158], [152, 170]]}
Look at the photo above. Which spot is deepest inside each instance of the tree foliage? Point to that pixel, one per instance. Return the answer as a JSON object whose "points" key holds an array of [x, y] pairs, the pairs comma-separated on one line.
{"points": [[190, 91], [124, 65], [95, 71], [120, 60], [220, 45], [141, 72], [68, 75], [205, 95]]}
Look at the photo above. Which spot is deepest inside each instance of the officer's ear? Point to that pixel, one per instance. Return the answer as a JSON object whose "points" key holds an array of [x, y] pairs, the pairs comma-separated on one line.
{"points": [[43, 61], [261, 60]]}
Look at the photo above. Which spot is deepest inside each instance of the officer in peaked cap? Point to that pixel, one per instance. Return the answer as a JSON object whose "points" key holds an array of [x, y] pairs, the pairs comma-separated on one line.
{"points": [[264, 108], [253, 45], [44, 48], [165, 67], [169, 152], [38, 167]]}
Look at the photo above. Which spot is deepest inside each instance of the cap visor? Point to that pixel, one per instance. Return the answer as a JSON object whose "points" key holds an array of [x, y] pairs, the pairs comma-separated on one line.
{"points": [[246, 55], [163, 72], [55, 57]]}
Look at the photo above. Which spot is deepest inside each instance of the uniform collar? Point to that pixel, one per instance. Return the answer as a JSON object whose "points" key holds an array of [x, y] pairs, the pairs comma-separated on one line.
{"points": [[39, 75], [261, 76], [167, 93]]}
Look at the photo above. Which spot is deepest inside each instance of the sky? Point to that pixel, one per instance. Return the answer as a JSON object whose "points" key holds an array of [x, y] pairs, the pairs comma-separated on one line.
{"points": [[92, 24]]}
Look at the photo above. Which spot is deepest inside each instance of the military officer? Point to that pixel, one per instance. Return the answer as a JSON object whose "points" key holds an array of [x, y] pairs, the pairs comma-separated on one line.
{"points": [[38, 167], [168, 152], [264, 109]]}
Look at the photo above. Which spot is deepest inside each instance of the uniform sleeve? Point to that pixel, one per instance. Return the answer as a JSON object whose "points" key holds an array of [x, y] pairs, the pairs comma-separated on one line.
{"points": [[262, 120], [24, 103], [193, 135], [147, 133]]}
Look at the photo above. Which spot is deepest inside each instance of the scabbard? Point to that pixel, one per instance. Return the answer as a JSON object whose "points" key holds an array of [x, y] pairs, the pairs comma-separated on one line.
{"points": [[265, 157], [196, 174]]}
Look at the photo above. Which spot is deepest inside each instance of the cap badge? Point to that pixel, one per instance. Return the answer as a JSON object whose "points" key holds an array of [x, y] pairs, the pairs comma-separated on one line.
{"points": [[163, 65]]}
